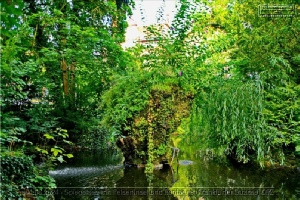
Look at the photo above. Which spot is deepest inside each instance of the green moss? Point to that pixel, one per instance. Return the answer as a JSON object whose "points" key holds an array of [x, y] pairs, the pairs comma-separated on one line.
{"points": [[151, 125]]}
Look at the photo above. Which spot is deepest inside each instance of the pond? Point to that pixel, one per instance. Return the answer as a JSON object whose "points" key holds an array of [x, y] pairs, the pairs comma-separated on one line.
{"points": [[96, 175]]}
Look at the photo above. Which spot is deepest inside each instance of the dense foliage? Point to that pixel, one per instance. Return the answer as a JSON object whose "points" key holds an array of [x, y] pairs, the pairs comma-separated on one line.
{"points": [[56, 60], [244, 81], [221, 78], [255, 112]]}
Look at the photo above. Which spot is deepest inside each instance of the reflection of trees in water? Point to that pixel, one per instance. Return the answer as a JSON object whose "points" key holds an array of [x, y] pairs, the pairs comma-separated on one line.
{"points": [[149, 186], [174, 171], [208, 176], [201, 173]]}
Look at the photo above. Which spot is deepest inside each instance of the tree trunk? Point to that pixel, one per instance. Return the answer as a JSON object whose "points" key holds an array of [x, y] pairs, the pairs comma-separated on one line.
{"points": [[65, 77]]}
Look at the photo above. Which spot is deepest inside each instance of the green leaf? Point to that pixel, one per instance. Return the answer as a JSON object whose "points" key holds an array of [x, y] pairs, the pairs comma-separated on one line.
{"points": [[67, 141], [52, 185], [56, 151], [44, 151], [41, 150], [20, 129], [60, 159], [69, 155], [38, 149], [57, 147], [50, 137]]}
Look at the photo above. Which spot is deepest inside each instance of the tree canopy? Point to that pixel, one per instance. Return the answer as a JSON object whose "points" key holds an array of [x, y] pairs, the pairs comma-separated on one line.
{"points": [[224, 77]]}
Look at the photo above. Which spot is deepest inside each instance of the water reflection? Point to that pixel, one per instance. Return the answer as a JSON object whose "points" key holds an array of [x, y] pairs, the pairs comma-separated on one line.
{"points": [[102, 176], [205, 179]]}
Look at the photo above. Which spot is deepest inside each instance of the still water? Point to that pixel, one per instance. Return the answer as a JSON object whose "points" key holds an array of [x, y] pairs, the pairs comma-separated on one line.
{"points": [[96, 175]]}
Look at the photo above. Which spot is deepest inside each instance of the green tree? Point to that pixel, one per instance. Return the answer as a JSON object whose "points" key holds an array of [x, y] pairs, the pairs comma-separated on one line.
{"points": [[248, 52], [56, 60]]}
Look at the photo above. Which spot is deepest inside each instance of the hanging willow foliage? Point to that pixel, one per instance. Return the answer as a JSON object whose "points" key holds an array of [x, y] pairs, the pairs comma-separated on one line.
{"points": [[230, 120]]}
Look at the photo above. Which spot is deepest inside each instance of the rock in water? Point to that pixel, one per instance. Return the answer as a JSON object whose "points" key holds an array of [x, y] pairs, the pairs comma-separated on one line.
{"points": [[186, 162]]}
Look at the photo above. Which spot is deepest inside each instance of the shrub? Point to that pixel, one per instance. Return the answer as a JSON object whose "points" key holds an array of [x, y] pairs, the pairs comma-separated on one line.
{"points": [[20, 178]]}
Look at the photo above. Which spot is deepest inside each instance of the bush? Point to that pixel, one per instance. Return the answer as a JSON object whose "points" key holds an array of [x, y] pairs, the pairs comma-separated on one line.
{"points": [[20, 178]]}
